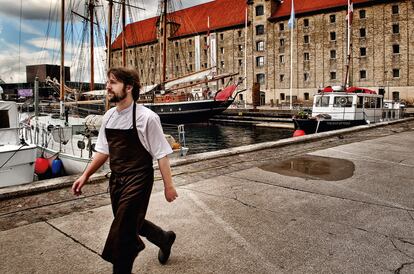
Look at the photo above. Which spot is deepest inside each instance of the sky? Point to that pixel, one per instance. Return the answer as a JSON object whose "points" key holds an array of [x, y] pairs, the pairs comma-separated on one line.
{"points": [[28, 37]]}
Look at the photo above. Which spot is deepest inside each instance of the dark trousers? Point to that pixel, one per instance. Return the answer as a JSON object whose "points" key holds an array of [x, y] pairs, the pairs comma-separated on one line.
{"points": [[130, 197]]}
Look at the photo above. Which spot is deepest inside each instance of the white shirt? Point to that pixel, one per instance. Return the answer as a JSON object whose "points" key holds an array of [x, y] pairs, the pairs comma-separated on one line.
{"points": [[149, 129]]}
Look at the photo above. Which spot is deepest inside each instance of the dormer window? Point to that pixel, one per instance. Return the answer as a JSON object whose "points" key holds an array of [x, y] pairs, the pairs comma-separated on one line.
{"points": [[259, 10]]}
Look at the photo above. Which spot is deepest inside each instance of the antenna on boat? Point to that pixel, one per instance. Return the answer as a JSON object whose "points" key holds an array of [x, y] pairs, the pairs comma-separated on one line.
{"points": [[350, 11], [245, 53]]}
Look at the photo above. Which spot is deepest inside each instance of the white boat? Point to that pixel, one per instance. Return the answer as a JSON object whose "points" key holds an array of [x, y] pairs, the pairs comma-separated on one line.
{"points": [[70, 141], [16, 157], [73, 141], [336, 108]]}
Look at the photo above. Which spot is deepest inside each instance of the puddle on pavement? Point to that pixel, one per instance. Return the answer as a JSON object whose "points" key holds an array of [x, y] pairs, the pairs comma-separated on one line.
{"points": [[313, 167]]}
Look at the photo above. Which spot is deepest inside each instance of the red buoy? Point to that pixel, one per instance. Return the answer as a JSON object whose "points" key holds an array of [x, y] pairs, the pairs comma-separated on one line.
{"points": [[41, 165], [298, 132]]}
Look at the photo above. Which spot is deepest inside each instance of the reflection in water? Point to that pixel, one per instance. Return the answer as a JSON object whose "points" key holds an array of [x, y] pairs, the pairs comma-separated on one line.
{"points": [[313, 167], [208, 137]]}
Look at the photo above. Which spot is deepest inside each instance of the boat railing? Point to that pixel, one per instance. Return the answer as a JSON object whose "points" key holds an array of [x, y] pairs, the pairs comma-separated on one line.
{"points": [[174, 131]]}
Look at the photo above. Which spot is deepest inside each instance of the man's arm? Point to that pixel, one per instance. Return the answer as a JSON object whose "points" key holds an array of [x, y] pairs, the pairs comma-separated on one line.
{"points": [[169, 189], [97, 161]]}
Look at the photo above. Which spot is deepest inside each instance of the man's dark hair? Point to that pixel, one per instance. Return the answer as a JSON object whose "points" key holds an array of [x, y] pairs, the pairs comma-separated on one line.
{"points": [[128, 77]]}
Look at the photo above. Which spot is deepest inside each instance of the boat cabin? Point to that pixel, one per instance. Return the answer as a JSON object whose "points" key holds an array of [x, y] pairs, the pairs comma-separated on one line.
{"points": [[348, 106], [9, 123], [354, 105]]}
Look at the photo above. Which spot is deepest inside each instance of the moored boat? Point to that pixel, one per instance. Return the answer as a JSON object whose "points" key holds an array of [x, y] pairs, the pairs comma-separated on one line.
{"points": [[337, 108], [17, 158]]}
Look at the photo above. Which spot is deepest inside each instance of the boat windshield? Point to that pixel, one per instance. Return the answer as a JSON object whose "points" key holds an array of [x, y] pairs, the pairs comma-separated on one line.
{"points": [[343, 101], [322, 101]]}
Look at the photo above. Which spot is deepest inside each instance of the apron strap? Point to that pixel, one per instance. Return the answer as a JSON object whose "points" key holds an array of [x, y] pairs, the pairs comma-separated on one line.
{"points": [[134, 111]]}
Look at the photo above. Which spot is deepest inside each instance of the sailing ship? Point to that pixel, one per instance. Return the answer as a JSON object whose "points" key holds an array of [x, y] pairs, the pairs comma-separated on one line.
{"points": [[186, 99], [65, 141]]}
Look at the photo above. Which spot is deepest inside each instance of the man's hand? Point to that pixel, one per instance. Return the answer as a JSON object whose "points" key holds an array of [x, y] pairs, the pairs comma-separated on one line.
{"points": [[97, 161], [170, 193], [78, 184]]}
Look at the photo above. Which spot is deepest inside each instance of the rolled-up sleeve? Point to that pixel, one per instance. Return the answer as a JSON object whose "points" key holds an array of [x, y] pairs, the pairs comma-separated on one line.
{"points": [[157, 143], [101, 143]]}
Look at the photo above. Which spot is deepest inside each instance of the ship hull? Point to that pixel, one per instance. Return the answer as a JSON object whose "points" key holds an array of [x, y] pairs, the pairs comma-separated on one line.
{"points": [[188, 111], [311, 125]]}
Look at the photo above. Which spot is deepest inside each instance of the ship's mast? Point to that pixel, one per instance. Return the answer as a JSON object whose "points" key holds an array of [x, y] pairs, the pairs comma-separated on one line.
{"points": [[164, 39], [109, 37], [123, 34], [62, 59], [109, 45], [91, 7]]}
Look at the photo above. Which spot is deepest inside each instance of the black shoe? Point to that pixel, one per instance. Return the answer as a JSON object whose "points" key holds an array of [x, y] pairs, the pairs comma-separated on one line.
{"points": [[165, 252]]}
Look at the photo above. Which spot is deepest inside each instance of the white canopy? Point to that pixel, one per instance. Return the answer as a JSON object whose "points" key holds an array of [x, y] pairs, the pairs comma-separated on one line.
{"points": [[99, 92], [198, 76]]}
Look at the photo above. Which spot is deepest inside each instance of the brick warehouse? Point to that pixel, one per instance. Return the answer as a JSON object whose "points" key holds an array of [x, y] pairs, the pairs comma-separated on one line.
{"points": [[382, 39]]}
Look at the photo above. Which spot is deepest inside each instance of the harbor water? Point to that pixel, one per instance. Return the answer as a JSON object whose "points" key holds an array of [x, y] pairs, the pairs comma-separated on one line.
{"points": [[210, 137]]}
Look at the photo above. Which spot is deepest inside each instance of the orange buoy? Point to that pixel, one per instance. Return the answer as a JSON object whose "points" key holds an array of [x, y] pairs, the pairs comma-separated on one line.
{"points": [[41, 165], [298, 132], [176, 146]]}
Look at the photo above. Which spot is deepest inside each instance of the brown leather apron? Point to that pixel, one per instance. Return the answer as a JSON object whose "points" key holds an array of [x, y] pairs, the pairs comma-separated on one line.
{"points": [[130, 187]]}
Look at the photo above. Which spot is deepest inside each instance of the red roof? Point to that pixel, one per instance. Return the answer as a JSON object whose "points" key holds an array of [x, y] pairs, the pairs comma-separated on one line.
{"points": [[140, 32], [222, 13], [303, 6]]}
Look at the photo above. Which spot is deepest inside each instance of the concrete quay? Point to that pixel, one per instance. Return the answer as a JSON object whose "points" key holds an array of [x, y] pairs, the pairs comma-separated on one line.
{"points": [[337, 202]]}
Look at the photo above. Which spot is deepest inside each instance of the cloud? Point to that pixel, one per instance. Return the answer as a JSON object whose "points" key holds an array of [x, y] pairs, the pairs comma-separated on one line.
{"points": [[34, 50], [50, 44], [30, 9], [11, 71]]}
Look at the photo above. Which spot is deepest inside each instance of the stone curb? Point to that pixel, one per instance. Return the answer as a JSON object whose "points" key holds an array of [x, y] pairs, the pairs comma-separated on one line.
{"points": [[66, 181]]}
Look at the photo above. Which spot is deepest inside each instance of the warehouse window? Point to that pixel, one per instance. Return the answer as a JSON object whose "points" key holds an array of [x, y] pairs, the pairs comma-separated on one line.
{"points": [[363, 52], [260, 78], [395, 49], [396, 73], [260, 45], [259, 29], [363, 74], [260, 61], [395, 28]]}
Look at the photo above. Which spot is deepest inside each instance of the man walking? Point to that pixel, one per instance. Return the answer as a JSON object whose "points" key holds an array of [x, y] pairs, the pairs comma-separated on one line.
{"points": [[131, 136]]}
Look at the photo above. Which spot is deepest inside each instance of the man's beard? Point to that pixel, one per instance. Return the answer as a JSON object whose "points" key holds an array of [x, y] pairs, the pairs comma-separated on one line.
{"points": [[117, 98]]}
